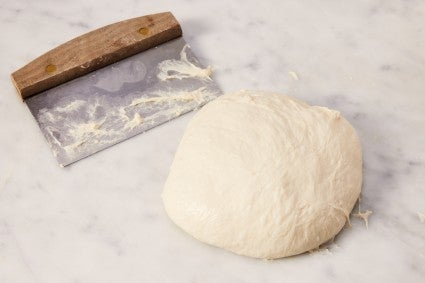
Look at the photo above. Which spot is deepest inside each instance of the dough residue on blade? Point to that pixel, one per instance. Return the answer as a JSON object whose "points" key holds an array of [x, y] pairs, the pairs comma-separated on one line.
{"points": [[94, 123], [182, 68], [264, 175]]}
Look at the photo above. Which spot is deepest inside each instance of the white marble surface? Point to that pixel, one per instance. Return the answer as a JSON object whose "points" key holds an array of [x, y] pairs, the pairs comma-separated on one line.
{"points": [[102, 220]]}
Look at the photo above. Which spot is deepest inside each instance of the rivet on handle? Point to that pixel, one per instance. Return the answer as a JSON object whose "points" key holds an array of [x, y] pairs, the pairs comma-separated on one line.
{"points": [[144, 31], [50, 68]]}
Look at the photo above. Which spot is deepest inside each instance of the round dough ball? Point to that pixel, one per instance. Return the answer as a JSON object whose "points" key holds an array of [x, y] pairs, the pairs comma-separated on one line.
{"points": [[264, 175]]}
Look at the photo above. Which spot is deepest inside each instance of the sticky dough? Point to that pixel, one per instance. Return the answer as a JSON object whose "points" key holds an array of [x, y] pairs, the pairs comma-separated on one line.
{"points": [[264, 175]]}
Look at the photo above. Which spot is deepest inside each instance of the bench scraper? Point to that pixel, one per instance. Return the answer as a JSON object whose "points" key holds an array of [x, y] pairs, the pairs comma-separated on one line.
{"points": [[113, 83]]}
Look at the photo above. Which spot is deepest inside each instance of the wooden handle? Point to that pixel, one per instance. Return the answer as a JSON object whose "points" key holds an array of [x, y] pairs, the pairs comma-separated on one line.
{"points": [[95, 50]]}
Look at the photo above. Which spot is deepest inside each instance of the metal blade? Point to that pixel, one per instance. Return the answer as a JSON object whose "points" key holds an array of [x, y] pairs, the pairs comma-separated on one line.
{"points": [[119, 101]]}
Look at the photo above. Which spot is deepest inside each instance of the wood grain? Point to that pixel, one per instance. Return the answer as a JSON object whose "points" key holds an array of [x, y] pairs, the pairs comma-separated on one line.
{"points": [[95, 50]]}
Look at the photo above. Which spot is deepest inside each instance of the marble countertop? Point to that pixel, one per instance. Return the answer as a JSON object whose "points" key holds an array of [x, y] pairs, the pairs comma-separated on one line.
{"points": [[102, 219]]}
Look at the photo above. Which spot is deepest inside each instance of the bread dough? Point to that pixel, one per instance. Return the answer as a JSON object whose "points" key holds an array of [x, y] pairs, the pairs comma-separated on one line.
{"points": [[264, 175]]}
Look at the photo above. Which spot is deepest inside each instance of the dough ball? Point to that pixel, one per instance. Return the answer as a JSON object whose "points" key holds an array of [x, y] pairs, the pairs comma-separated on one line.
{"points": [[264, 175]]}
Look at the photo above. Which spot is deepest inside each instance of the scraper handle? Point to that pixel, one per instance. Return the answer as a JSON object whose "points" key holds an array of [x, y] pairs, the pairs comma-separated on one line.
{"points": [[95, 50]]}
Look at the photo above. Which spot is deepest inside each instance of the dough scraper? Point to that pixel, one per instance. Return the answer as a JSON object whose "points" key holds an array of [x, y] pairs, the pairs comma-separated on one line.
{"points": [[113, 83]]}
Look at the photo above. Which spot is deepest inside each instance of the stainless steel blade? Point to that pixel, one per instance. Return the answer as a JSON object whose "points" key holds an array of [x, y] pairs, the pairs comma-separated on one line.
{"points": [[124, 99]]}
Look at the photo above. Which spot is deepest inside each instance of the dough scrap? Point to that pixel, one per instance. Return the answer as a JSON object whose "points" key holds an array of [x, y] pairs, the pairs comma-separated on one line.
{"points": [[264, 175], [364, 215], [421, 217]]}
